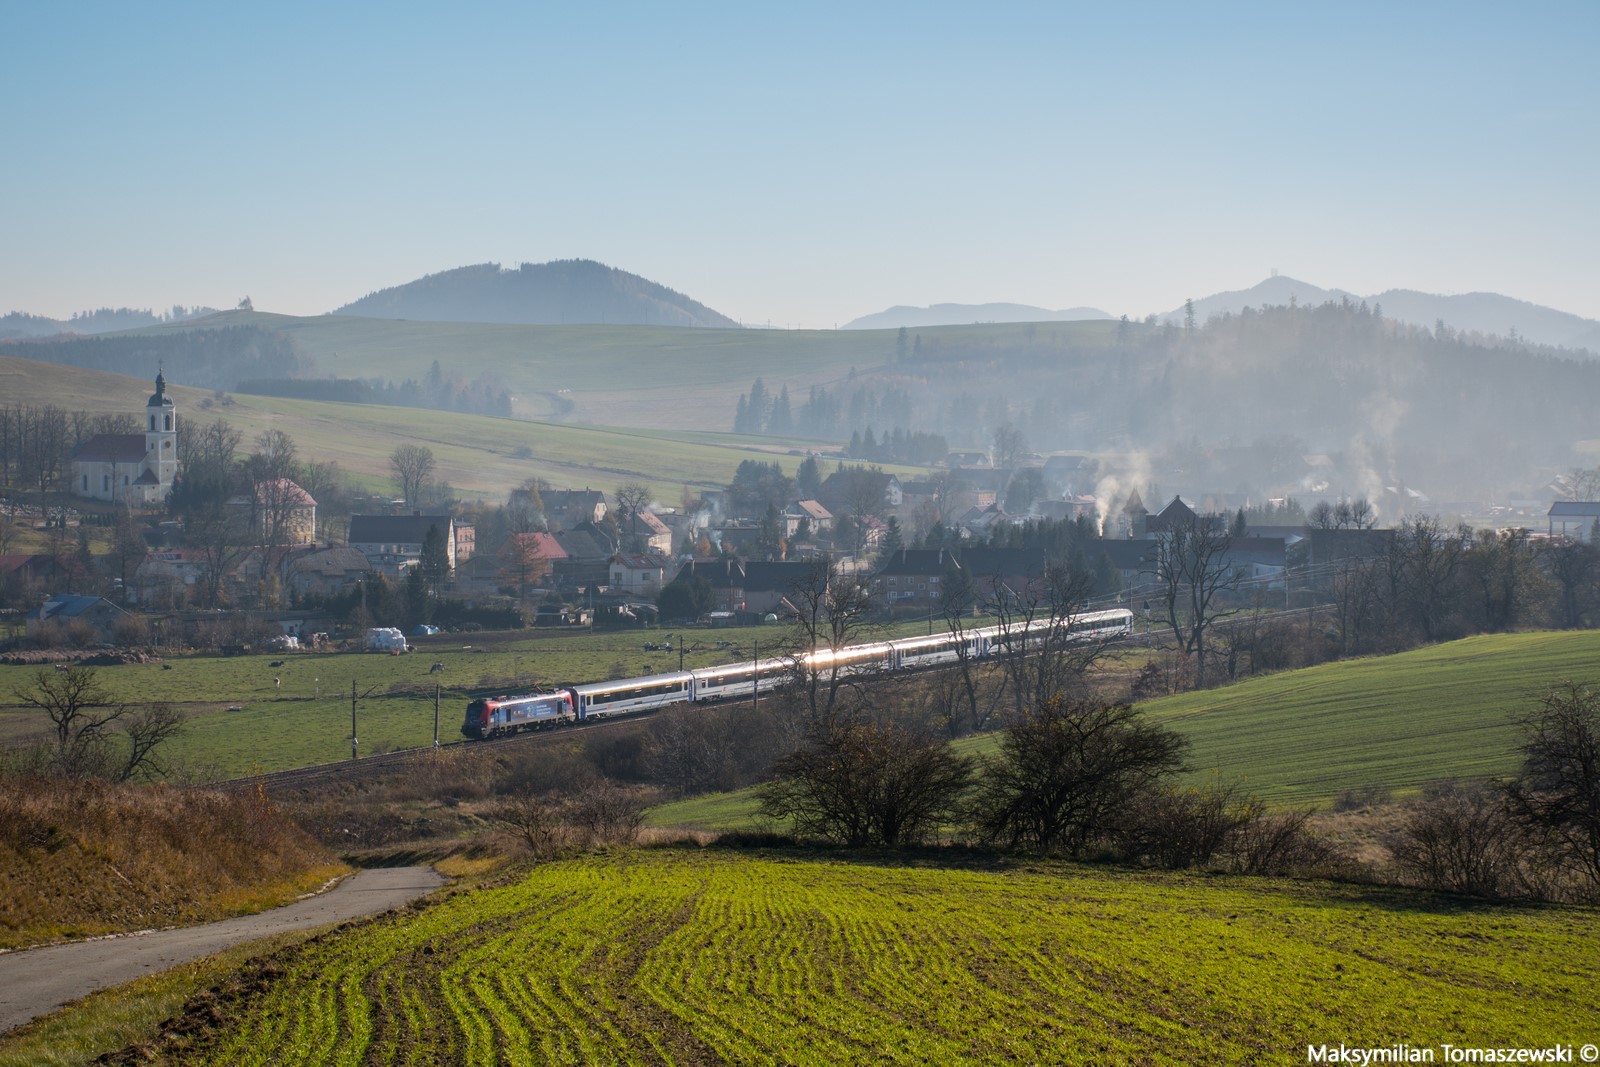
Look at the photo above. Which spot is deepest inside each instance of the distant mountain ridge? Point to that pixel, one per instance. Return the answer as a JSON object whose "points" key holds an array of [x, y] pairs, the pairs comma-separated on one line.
{"points": [[966, 314], [20, 326], [1485, 313], [564, 292]]}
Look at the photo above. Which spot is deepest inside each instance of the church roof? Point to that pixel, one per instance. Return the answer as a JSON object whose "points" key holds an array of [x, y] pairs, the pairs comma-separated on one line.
{"points": [[112, 448]]}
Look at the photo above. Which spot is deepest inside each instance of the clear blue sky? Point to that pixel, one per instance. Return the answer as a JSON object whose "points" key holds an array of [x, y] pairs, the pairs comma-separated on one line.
{"points": [[801, 164]]}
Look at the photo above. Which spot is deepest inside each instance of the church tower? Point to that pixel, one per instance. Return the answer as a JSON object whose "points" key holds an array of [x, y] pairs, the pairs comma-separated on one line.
{"points": [[161, 434]]}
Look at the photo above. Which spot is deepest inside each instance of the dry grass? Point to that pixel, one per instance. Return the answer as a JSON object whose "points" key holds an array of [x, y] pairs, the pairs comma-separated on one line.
{"points": [[80, 858]]}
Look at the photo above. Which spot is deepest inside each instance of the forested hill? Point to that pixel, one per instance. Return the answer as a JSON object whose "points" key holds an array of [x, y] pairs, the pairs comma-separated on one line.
{"points": [[566, 292]]}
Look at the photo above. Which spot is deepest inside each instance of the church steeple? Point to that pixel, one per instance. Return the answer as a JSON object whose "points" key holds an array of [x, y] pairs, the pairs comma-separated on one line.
{"points": [[161, 434]]}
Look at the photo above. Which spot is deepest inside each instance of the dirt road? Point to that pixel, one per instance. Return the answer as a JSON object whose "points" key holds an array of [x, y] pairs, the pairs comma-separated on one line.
{"points": [[40, 980]]}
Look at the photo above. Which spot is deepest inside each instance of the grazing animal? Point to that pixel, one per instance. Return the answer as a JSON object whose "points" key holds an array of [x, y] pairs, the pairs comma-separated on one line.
{"points": [[166, 666], [436, 668], [276, 663]]}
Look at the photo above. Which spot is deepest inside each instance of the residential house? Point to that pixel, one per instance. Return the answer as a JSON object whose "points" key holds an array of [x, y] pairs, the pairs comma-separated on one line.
{"points": [[95, 617], [285, 514], [587, 550], [809, 511], [393, 543], [769, 585], [638, 574], [568, 509], [913, 578], [724, 574], [324, 571], [524, 560]]}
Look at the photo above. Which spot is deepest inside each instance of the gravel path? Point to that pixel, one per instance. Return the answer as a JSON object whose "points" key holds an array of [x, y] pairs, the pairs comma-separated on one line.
{"points": [[40, 980]]}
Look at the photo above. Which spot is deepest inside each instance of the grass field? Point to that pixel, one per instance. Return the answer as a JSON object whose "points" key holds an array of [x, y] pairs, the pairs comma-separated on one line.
{"points": [[1301, 737], [688, 957]]}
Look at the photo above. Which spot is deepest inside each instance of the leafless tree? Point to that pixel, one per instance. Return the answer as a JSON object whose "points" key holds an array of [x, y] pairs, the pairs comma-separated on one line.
{"points": [[608, 814], [1433, 558], [413, 467], [1040, 656], [147, 730], [1192, 570], [1559, 790], [537, 820], [1574, 567], [80, 709], [631, 498], [1067, 773], [958, 594], [865, 783], [834, 609], [1009, 445]]}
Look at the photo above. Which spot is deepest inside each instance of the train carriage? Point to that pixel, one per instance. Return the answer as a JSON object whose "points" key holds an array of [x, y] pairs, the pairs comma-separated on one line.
{"points": [[738, 680], [599, 700]]}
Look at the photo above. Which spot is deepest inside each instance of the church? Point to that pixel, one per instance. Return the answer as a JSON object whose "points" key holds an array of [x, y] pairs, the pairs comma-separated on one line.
{"points": [[133, 468]]}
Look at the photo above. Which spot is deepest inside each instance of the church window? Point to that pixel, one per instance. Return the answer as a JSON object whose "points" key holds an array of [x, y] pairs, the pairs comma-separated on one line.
{"points": [[85, 483], [168, 421], [152, 423], [124, 479], [105, 481]]}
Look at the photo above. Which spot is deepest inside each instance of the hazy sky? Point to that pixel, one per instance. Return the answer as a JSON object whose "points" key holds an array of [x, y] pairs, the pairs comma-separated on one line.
{"points": [[800, 164]]}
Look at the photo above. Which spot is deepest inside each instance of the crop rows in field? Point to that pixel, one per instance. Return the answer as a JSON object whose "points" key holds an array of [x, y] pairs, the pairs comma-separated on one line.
{"points": [[683, 957]]}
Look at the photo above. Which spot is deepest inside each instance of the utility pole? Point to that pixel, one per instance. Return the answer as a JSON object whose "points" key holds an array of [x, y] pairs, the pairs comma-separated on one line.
{"points": [[353, 719], [755, 680], [435, 714], [680, 652]]}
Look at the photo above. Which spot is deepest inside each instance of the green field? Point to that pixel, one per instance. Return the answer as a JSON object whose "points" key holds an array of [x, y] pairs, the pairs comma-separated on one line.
{"points": [[1301, 737], [685, 957], [299, 714], [480, 456]]}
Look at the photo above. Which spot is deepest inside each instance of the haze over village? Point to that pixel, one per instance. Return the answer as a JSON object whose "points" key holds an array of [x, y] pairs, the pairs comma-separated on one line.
{"points": [[849, 535]]}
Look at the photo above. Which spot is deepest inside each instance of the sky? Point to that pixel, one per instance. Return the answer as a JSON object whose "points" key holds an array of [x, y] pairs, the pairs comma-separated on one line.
{"points": [[799, 165]]}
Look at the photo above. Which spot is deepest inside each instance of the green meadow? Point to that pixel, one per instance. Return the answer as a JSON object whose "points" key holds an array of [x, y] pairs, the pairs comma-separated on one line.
{"points": [[1301, 737]]}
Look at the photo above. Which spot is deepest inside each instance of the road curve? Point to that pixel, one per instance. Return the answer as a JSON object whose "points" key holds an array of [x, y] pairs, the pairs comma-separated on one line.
{"points": [[40, 980]]}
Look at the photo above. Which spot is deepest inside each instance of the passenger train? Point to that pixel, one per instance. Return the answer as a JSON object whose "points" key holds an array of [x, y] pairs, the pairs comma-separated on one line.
{"points": [[493, 716]]}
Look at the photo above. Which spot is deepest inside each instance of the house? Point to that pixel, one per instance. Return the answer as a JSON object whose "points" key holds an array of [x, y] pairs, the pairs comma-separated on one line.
{"points": [[809, 511], [585, 559], [134, 468], [567, 509], [324, 571], [977, 522], [1134, 560], [20, 573], [1070, 509], [168, 578], [725, 575], [524, 560], [285, 514], [1175, 516], [913, 578], [655, 534], [393, 543], [768, 585], [1575, 519], [85, 619], [638, 574]]}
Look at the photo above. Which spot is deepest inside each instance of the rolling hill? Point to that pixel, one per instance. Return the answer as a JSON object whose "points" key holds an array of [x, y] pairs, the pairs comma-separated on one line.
{"points": [[965, 314], [560, 293]]}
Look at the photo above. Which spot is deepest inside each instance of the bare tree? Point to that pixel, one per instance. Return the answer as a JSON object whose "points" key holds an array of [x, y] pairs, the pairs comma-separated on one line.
{"points": [[833, 610], [1433, 559], [865, 783], [631, 498], [1040, 656], [1009, 445], [79, 708], [147, 730], [537, 820], [1192, 570], [413, 467], [1067, 773], [1574, 567], [1559, 790], [958, 594]]}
